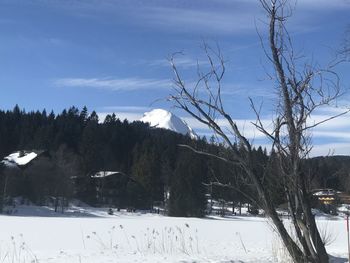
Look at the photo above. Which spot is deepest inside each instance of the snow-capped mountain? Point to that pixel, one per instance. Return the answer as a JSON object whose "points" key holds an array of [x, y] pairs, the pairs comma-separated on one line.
{"points": [[164, 119]]}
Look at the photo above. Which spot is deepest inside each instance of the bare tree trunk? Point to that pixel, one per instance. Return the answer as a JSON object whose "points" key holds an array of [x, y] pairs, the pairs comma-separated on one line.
{"points": [[4, 192], [317, 242], [56, 204]]}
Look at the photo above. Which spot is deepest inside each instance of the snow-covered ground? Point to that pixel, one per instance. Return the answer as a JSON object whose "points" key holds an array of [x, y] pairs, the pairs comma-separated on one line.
{"points": [[89, 235]]}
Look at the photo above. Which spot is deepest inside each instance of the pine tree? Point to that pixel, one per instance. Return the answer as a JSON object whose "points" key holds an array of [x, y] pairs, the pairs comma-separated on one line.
{"points": [[147, 171], [187, 191]]}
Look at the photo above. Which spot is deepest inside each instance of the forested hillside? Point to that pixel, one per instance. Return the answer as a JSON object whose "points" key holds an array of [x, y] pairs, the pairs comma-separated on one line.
{"points": [[150, 164]]}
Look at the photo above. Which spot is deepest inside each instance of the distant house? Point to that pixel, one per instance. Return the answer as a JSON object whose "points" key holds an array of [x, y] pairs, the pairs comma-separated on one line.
{"points": [[11, 171], [23, 158], [328, 199], [117, 189], [326, 196], [110, 187]]}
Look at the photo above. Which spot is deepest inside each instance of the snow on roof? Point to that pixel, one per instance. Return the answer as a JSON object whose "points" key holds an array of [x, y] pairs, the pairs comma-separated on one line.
{"points": [[325, 192], [102, 174], [19, 158], [160, 118]]}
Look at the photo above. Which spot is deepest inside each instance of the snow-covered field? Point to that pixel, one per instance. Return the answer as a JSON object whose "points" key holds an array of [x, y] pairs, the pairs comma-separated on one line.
{"points": [[91, 235]]}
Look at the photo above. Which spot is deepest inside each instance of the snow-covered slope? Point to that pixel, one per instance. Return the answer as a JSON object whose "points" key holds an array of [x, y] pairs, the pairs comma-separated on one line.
{"points": [[164, 119], [18, 158]]}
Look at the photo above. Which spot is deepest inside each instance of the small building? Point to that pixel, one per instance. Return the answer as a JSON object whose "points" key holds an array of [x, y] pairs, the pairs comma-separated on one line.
{"points": [[11, 172], [326, 196], [110, 186], [21, 159], [326, 200], [331, 196], [117, 189]]}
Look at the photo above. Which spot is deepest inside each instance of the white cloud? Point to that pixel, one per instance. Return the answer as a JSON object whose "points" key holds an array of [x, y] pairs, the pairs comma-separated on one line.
{"points": [[228, 17], [131, 112], [336, 130], [246, 126], [344, 135], [126, 109], [175, 15], [249, 91], [341, 122], [183, 62], [324, 4], [130, 116], [312, 4], [205, 17], [114, 84], [341, 148], [205, 21]]}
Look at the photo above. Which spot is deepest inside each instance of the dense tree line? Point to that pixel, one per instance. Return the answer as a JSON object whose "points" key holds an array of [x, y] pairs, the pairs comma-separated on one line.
{"points": [[78, 145], [154, 168]]}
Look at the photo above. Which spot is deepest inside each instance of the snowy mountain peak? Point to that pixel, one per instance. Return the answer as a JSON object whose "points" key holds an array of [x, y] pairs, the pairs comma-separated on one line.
{"points": [[160, 118]]}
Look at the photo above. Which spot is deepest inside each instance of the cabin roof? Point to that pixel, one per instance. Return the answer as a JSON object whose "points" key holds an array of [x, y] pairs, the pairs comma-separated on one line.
{"points": [[103, 174], [21, 158]]}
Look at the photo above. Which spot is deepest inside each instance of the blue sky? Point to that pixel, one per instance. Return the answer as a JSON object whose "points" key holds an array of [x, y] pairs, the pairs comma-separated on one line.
{"points": [[110, 55]]}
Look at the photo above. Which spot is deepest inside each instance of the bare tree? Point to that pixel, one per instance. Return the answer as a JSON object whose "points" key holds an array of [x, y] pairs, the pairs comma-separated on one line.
{"points": [[302, 89]]}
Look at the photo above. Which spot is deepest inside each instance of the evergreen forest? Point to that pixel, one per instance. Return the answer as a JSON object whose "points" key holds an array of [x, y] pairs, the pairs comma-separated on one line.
{"points": [[152, 168]]}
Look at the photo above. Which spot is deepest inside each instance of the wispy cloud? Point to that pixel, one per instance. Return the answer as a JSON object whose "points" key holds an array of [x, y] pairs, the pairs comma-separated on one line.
{"points": [[324, 4], [229, 17], [343, 135], [130, 116], [204, 21], [312, 4], [245, 125], [114, 84], [126, 108], [335, 130], [341, 123], [206, 17], [130, 112], [179, 16], [183, 62], [341, 148], [136, 83], [249, 91]]}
